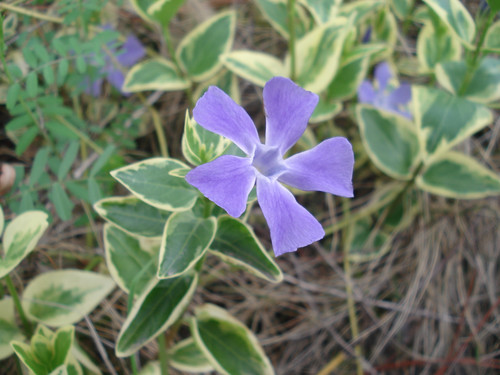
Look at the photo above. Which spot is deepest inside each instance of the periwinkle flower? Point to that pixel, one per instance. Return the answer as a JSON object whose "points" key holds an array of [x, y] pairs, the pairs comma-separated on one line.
{"points": [[130, 52], [382, 97], [228, 180]]}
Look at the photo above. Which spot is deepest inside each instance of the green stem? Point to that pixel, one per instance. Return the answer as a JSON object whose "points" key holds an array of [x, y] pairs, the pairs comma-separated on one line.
{"points": [[162, 140], [472, 66], [28, 329], [291, 39], [171, 51], [162, 353], [83, 137], [353, 320], [133, 364]]}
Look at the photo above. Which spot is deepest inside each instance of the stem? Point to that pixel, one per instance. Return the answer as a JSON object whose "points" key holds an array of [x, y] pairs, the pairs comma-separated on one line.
{"points": [[28, 329], [291, 40], [162, 353], [30, 13], [472, 66], [133, 364], [82, 136], [162, 141], [333, 364], [171, 51], [353, 320]]}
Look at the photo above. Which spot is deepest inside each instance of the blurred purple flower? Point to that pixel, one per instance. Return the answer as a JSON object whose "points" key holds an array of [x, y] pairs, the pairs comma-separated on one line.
{"points": [[130, 52], [228, 180], [382, 97]]}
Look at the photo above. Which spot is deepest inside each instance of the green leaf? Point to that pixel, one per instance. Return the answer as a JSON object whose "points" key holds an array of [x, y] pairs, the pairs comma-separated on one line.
{"points": [[152, 313], [185, 241], [348, 78], [26, 139], [319, 56], [94, 190], [23, 351], [68, 160], [236, 244], [133, 216], [229, 345], [325, 110], [390, 140], [494, 5], [32, 84], [62, 297], [131, 267], [484, 85], [456, 175], [365, 245], [443, 120], [199, 51], [62, 343], [12, 95], [256, 67], [160, 11], [276, 13], [199, 146], [102, 160], [323, 11], [185, 356], [48, 74], [39, 164], [20, 238], [151, 368], [436, 44], [154, 182], [403, 8], [9, 330], [154, 74], [62, 71], [456, 17], [62, 203], [492, 39], [360, 9]]}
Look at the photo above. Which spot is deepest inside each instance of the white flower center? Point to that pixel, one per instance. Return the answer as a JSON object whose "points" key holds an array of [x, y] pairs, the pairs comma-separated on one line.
{"points": [[268, 161]]}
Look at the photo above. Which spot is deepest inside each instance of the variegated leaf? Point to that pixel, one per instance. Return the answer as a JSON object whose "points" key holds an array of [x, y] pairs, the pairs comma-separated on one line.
{"points": [[456, 175], [187, 357], [57, 298], [236, 244], [133, 216], [443, 120], [153, 313], [390, 140], [131, 267], [228, 344], [200, 50], [9, 330], [454, 14], [157, 182], [154, 74], [20, 238], [256, 67]]}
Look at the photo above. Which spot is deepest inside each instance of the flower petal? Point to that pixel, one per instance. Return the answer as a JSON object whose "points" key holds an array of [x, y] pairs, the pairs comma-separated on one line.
{"points": [[291, 225], [217, 112], [131, 52], [366, 93], [327, 167], [383, 75], [401, 95], [226, 181], [116, 78], [288, 108]]}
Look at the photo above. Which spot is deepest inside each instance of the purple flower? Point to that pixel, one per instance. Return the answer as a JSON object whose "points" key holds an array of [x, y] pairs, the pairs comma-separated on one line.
{"points": [[382, 97], [130, 52], [228, 180]]}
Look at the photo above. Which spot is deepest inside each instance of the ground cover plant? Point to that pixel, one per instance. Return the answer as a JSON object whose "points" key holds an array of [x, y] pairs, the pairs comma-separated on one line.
{"points": [[258, 187]]}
